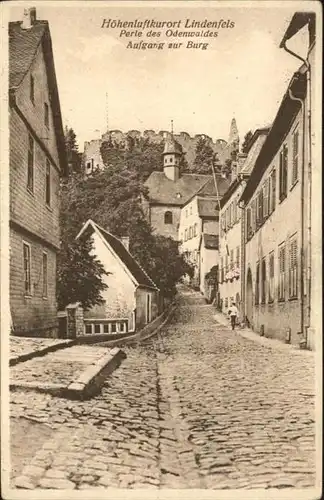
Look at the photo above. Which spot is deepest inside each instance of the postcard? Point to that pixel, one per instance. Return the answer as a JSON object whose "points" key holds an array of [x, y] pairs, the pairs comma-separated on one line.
{"points": [[161, 249]]}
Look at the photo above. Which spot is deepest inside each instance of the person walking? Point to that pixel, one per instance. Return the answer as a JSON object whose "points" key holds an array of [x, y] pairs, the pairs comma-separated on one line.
{"points": [[233, 313]]}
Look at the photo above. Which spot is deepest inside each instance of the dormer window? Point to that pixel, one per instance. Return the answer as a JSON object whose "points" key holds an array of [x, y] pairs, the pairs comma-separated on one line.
{"points": [[171, 159]]}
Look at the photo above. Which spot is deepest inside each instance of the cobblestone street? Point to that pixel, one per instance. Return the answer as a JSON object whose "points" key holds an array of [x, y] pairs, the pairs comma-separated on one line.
{"points": [[203, 407]]}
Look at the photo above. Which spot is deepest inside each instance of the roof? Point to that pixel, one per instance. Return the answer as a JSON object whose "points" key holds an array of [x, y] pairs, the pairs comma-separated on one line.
{"points": [[286, 114], [172, 146], [260, 136], [210, 241], [23, 46], [139, 275], [208, 208], [209, 188], [298, 21], [168, 192]]}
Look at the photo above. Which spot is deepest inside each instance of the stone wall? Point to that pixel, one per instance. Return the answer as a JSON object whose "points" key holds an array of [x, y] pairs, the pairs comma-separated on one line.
{"points": [[75, 323], [92, 148]]}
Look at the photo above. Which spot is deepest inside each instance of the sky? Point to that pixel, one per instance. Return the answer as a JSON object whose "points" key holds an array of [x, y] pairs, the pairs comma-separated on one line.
{"points": [[243, 73]]}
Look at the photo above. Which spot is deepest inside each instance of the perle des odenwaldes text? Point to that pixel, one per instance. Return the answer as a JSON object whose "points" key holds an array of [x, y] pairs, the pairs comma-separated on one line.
{"points": [[149, 33]]}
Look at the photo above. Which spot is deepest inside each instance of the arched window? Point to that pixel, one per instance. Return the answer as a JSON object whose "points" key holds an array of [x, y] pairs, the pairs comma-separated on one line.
{"points": [[168, 218]]}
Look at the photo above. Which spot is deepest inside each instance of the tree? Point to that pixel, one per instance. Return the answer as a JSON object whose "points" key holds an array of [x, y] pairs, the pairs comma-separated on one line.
{"points": [[79, 273], [112, 198], [74, 158], [248, 136], [205, 157]]}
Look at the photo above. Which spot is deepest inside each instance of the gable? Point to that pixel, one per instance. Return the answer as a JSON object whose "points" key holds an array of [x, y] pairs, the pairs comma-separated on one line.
{"points": [[110, 261], [30, 54]]}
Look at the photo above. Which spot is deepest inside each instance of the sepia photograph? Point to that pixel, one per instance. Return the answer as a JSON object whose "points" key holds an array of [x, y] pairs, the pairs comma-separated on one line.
{"points": [[161, 249]]}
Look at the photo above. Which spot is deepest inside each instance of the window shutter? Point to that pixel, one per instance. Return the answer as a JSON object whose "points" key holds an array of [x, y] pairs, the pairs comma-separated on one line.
{"points": [[295, 157]]}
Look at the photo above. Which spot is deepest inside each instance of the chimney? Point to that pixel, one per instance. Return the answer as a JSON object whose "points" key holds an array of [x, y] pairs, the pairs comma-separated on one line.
{"points": [[29, 18], [125, 241]]}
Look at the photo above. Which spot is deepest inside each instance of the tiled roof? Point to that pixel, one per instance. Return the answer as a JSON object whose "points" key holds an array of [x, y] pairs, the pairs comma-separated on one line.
{"points": [[209, 188], [166, 191], [124, 255], [23, 45], [208, 207], [210, 241]]}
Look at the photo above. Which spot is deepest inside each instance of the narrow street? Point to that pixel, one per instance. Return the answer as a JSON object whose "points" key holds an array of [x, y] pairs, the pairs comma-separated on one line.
{"points": [[203, 407]]}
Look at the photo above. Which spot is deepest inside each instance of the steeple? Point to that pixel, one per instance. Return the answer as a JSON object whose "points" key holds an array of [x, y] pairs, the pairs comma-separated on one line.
{"points": [[233, 138], [172, 154]]}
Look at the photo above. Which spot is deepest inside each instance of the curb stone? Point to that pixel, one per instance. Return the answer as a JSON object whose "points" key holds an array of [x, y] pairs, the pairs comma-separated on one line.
{"points": [[88, 384], [41, 352]]}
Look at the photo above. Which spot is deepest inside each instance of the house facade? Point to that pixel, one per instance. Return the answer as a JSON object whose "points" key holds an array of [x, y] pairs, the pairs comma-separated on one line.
{"points": [[169, 191], [230, 248], [278, 207], [36, 161], [232, 245], [131, 299], [275, 286], [199, 216], [208, 265]]}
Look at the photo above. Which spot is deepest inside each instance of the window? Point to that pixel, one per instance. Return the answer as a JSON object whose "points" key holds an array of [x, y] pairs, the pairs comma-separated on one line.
{"points": [[32, 89], [273, 190], [191, 210], [186, 235], [46, 114], [259, 208], [48, 183], [238, 257], [168, 217], [27, 278], [257, 284], [281, 287], [97, 328], [226, 264], [30, 165], [294, 176], [45, 276], [271, 277], [195, 229], [186, 213], [113, 328], [232, 259], [253, 215], [106, 328], [88, 328], [248, 224], [293, 268], [263, 281], [266, 198], [283, 173], [226, 302]]}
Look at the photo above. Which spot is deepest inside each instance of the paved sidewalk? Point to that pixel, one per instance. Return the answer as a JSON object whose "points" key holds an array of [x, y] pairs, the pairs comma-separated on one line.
{"points": [[248, 333]]}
